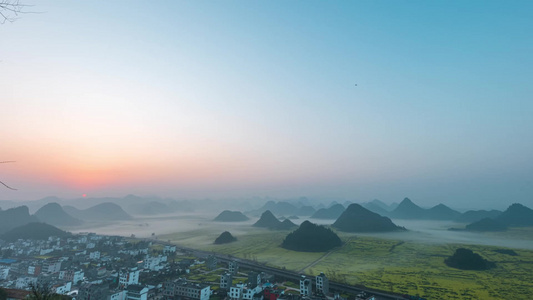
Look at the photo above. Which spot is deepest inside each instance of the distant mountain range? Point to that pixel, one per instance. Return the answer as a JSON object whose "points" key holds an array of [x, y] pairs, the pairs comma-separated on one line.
{"points": [[34, 231], [331, 213], [268, 220], [231, 216], [283, 208], [486, 224], [101, 212], [408, 210], [15, 217], [53, 214], [516, 215], [359, 219], [373, 207], [476, 215]]}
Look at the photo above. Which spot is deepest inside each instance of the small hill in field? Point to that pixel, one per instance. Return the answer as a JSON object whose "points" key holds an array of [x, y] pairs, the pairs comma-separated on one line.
{"points": [[225, 238], [310, 237], [231, 216], [466, 259]]}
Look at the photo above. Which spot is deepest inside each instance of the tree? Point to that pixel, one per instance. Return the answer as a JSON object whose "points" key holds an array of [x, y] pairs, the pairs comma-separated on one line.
{"points": [[3, 294], [9, 10], [40, 291]]}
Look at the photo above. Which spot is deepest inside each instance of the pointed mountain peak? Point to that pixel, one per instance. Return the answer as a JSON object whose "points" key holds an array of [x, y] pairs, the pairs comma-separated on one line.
{"points": [[518, 207], [406, 201]]}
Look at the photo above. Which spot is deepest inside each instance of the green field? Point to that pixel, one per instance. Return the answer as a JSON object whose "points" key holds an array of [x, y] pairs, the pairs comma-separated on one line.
{"points": [[386, 264]]}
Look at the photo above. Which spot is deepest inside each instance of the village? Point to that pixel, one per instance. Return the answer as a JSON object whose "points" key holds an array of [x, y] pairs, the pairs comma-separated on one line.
{"points": [[90, 266]]}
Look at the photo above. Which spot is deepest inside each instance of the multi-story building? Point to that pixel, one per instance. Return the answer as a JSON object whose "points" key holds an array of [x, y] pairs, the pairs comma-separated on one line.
{"points": [[94, 255], [51, 266], [4, 272], [242, 291], [211, 262], [34, 270], [62, 289], [153, 262], [72, 275], [169, 249], [25, 282], [226, 280], [322, 284], [305, 286], [137, 292], [180, 288], [128, 277], [254, 279], [233, 267]]}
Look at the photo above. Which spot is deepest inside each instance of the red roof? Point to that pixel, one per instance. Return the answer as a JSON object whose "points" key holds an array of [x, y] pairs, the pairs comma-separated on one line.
{"points": [[17, 294]]}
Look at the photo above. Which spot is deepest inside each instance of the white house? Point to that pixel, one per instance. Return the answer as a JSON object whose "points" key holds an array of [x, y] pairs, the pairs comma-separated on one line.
{"points": [[137, 292], [129, 276], [226, 280], [25, 282], [233, 267], [4, 272], [63, 289], [181, 288], [51, 266], [94, 255], [322, 284], [71, 275], [305, 286]]}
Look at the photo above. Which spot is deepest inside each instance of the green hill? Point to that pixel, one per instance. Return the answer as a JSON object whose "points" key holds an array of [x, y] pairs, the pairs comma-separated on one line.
{"points": [[267, 220], [516, 215], [465, 259], [359, 219], [33, 231], [310, 237], [476, 215], [286, 225], [486, 224], [231, 216], [441, 212], [106, 211], [53, 214], [408, 210], [14, 217], [331, 213], [224, 238]]}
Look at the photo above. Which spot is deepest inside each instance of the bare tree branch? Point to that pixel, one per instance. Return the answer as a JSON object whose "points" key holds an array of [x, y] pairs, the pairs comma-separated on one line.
{"points": [[5, 162], [10, 9], [7, 186]]}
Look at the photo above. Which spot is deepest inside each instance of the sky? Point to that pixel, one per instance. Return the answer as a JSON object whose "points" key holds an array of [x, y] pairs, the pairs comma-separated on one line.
{"points": [[355, 100]]}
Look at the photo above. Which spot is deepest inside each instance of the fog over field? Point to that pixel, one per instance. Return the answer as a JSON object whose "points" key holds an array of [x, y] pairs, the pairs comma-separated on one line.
{"points": [[418, 231]]}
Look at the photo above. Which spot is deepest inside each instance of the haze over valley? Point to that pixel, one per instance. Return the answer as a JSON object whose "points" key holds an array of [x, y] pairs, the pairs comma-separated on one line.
{"points": [[148, 149]]}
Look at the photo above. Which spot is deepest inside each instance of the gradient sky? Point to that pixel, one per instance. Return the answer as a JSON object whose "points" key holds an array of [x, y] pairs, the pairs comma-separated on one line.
{"points": [[258, 98]]}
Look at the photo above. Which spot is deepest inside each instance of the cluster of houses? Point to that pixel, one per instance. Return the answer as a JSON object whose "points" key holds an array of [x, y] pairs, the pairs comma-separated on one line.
{"points": [[96, 267], [86, 266]]}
